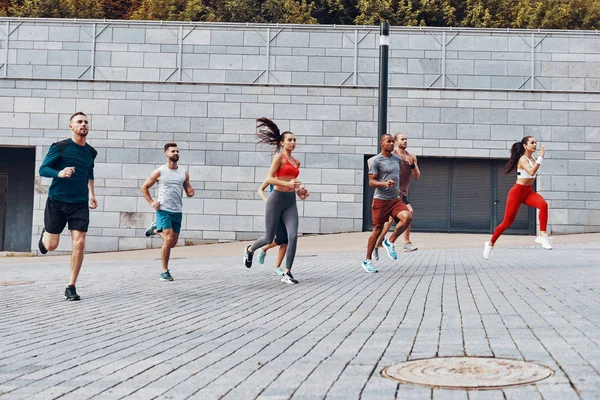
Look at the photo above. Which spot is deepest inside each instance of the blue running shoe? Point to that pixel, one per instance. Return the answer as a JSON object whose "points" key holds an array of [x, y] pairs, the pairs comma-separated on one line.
{"points": [[151, 231], [261, 256], [391, 249], [278, 271], [368, 266], [166, 276]]}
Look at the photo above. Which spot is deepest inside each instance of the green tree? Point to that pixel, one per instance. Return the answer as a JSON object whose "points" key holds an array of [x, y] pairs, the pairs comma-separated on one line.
{"points": [[477, 14], [289, 11], [590, 15], [340, 12], [436, 13], [198, 10], [238, 10], [37, 9], [406, 14], [373, 12], [163, 10], [118, 9]]}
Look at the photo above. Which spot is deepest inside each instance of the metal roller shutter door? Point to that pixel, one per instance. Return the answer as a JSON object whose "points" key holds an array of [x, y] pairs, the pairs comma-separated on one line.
{"points": [[460, 195]]}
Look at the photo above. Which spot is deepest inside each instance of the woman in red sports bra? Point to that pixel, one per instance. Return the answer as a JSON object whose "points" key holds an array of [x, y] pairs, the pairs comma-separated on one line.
{"points": [[281, 204]]}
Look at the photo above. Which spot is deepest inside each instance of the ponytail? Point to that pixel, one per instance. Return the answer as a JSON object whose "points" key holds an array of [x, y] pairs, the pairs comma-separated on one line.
{"points": [[516, 151], [268, 133]]}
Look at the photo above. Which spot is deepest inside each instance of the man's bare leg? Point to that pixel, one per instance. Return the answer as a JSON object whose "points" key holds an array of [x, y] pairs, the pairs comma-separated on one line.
{"points": [[384, 231], [51, 240], [78, 240], [372, 240], [170, 238], [404, 220]]}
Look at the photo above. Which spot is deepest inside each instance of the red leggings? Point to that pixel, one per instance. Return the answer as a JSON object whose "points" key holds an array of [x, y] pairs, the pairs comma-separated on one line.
{"points": [[521, 194]]}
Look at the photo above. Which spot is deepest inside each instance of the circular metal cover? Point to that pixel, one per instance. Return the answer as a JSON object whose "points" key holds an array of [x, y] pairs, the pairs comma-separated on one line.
{"points": [[467, 372], [16, 283]]}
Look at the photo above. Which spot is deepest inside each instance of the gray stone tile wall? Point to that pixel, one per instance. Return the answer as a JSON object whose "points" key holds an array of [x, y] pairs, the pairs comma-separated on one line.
{"points": [[213, 123], [317, 55], [227, 166]]}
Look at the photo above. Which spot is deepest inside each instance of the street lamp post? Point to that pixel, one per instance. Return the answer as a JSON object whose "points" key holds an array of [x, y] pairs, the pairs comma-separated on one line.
{"points": [[384, 44]]}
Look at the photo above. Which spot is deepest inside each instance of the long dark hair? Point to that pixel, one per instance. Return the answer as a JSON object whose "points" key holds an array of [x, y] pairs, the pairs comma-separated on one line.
{"points": [[268, 133], [516, 151]]}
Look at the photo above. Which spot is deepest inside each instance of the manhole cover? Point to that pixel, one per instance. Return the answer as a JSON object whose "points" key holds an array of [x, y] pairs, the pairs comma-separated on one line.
{"points": [[16, 283], [467, 372]]}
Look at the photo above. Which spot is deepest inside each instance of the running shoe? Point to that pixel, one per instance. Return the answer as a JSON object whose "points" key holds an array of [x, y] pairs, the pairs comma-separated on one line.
{"points": [[487, 250], [41, 246], [166, 276], [391, 249], [408, 247], [261, 256], [247, 257], [375, 254], [544, 241], [278, 271], [368, 266], [288, 278], [71, 293], [151, 229]]}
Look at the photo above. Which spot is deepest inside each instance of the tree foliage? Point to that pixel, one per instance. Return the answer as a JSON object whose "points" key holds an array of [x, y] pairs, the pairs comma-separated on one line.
{"points": [[544, 14]]}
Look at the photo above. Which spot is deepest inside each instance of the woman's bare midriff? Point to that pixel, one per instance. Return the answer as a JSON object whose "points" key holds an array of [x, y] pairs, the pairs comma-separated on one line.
{"points": [[525, 181], [286, 189]]}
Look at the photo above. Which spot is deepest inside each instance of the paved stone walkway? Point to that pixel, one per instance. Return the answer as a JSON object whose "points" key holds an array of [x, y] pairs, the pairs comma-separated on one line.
{"points": [[223, 331]]}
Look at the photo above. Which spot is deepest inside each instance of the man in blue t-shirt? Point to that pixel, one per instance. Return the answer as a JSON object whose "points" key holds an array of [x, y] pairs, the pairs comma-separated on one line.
{"points": [[70, 164]]}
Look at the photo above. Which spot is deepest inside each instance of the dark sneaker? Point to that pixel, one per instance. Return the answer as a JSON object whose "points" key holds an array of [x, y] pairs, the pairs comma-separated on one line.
{"points": [[166, 276], [247, 258], [71, 293], [41, 246], [151, 229], [288, 278]]}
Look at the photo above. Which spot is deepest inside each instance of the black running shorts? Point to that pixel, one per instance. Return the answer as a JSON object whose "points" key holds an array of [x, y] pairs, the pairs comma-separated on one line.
{"points": [[58, 214]]}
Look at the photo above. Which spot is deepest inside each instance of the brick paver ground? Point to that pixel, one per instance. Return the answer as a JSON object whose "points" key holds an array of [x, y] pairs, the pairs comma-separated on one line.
{"points": [[223, 331]]}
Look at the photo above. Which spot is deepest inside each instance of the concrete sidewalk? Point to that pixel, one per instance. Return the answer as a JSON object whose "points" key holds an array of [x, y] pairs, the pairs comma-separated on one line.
{"points": [[324, 244], [220, 330]]}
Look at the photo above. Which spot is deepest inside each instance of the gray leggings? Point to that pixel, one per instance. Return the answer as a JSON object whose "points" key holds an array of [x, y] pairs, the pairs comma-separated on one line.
{"points": [[281, 205]]}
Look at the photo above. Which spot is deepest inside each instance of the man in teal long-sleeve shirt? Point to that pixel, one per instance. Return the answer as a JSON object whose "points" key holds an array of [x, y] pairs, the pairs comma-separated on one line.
{"points": [[70, 164]]}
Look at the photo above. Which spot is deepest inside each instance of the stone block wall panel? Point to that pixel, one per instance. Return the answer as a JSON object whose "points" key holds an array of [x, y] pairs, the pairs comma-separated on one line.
{"points": [[142, 92]]}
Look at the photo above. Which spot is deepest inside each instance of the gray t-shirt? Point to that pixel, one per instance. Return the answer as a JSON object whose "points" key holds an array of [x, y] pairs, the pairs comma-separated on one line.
{"points": [[386, 168]]}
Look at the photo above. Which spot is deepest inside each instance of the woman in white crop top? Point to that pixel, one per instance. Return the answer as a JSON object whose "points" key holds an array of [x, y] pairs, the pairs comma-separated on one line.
{"points": [[521, 159]]}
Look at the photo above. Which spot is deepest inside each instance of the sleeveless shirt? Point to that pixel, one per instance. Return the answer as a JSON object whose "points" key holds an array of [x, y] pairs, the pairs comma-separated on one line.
{"points": [[405, 173], [170, 188]]}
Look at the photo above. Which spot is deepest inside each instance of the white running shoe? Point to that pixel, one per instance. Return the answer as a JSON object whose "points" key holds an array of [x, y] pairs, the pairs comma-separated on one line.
{"points": [[487, 250], [288, 278], [544, 241], [375, 254], [368, 266]]}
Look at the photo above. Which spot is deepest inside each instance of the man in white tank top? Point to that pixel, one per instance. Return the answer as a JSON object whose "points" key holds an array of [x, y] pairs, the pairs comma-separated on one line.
{"points": [[172, 180]]}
